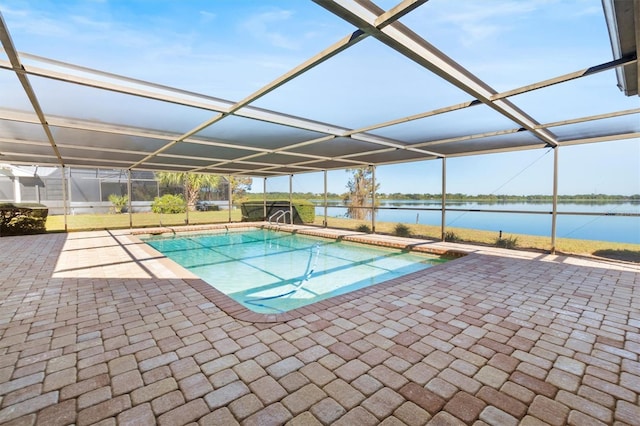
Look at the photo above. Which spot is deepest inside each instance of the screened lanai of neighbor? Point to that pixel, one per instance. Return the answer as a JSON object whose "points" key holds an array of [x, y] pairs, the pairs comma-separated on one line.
{"points": [[376, 91]]}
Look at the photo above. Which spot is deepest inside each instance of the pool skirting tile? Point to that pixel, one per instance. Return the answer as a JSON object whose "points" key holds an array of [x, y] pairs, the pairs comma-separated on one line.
{"points": [[242, 313]]}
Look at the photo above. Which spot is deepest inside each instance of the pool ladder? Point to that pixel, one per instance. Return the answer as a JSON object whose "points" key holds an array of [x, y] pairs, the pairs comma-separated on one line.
{"points": [[280, 214]]}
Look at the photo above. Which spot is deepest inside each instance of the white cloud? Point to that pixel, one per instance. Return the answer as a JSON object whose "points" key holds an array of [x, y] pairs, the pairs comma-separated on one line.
{"points": [[480, 21], [265, 26], [206, 17], [33, 22], [86, 22]]}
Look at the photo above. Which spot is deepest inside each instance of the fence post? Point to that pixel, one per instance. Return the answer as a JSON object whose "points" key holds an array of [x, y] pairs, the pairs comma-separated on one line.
{"points": [[129, 198], [373, 199], [264, 198], [64, 195], [230, 197], [291, 199], [554, 214], [325, 199], [443, 225]]}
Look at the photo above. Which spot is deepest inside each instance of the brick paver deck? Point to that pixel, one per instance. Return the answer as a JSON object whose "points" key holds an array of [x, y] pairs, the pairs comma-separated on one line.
{"points": [[96, 329]]}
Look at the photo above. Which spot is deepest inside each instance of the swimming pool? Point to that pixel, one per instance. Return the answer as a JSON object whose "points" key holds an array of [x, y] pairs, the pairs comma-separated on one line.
{"points": [[273, 272]]}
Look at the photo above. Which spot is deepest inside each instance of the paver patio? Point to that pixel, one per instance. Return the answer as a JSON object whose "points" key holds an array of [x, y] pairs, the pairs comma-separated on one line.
{"points": [[96, 329]]}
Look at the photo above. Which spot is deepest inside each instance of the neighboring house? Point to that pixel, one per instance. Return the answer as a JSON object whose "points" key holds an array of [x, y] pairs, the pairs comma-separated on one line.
{"points": [[88, 190], [26, 184]]}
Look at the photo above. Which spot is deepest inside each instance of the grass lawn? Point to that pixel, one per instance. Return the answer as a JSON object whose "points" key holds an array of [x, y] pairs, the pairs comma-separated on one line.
{"points": [[611, 250], [85, 222], [617, 251]]}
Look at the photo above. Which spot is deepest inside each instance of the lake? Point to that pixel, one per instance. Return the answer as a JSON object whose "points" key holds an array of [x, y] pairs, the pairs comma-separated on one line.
{"points": [[605, 227]]}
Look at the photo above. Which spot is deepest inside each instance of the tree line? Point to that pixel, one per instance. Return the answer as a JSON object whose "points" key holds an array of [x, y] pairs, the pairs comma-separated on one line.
{"points": [[511, 198], [359, 195], [192, 186]]}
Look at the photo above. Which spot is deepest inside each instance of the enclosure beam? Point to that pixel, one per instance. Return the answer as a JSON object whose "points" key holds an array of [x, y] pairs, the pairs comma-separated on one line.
{"points": [[70, 193], [264, 198], [326, 54], [17, 194], [528, 88], [443, 226], [554, 214], [382, 21], [627, 59], [129, 198], [18, 68], [64, 197], [364, 15], [592, 118], [186, 198], [230, 194], [123, 130], [291, 199], [38, 189], [371, 21], [324, 222], [373, 199]]}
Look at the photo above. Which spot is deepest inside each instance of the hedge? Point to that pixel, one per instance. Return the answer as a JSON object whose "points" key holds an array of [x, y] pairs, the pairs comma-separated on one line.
{"points": [[23, 218], [169, 204], [303, 211]]}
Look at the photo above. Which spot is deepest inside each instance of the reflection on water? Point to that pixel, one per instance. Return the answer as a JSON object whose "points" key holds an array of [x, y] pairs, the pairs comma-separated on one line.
{"points": [[624, 229]]}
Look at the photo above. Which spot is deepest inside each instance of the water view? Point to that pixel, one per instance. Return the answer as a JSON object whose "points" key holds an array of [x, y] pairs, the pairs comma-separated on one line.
{"points": [[616, 223]]}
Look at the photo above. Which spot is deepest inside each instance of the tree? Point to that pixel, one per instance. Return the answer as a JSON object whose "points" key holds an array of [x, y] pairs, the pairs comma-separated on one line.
{"points": [[360, 193], [239, 186], [191, 182]]}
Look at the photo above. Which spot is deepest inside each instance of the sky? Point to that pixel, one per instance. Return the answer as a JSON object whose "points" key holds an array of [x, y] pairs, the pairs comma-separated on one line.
{"points": [[230, 48]]}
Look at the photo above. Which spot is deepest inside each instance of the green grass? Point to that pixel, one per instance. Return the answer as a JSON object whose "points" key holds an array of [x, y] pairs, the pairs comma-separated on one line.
{"points": [[85, 222], [617, 251]]}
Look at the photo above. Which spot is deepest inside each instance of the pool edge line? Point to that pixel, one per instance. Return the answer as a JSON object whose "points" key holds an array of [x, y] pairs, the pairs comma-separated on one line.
{"points": [[239, 312]]}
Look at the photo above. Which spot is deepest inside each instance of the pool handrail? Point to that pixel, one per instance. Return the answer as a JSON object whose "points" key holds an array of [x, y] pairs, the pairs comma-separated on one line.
{"points": [[280, 214]]}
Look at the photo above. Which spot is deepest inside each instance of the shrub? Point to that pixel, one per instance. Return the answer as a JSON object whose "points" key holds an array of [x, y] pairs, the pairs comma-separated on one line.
{"points": [[402, 230], [508, 242], [26, 225], [119, 202], [22, 218], [451, 237], [168, 204], [364, 228], [304, 211]]}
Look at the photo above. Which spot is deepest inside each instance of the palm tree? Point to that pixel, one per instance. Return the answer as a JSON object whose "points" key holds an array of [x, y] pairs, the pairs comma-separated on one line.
{"points": [[360, 193], [191, 182]]}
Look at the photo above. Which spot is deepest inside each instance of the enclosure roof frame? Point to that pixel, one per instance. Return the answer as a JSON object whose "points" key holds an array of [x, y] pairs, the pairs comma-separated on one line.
{"points": [[299, 144]]}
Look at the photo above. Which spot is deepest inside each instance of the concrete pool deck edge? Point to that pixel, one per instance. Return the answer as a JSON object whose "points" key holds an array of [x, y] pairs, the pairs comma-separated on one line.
{"points": [[242, 313]]}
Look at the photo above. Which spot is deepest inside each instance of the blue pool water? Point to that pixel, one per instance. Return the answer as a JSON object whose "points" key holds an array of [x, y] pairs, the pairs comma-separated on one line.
{"points": [[272, 272]]}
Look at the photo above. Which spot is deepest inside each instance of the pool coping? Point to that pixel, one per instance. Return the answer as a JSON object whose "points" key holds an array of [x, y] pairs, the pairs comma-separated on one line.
{"points": [[242, 313]]}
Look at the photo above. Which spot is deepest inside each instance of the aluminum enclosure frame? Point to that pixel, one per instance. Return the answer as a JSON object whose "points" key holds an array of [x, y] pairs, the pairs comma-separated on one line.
{"points": [[309, 145]]}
